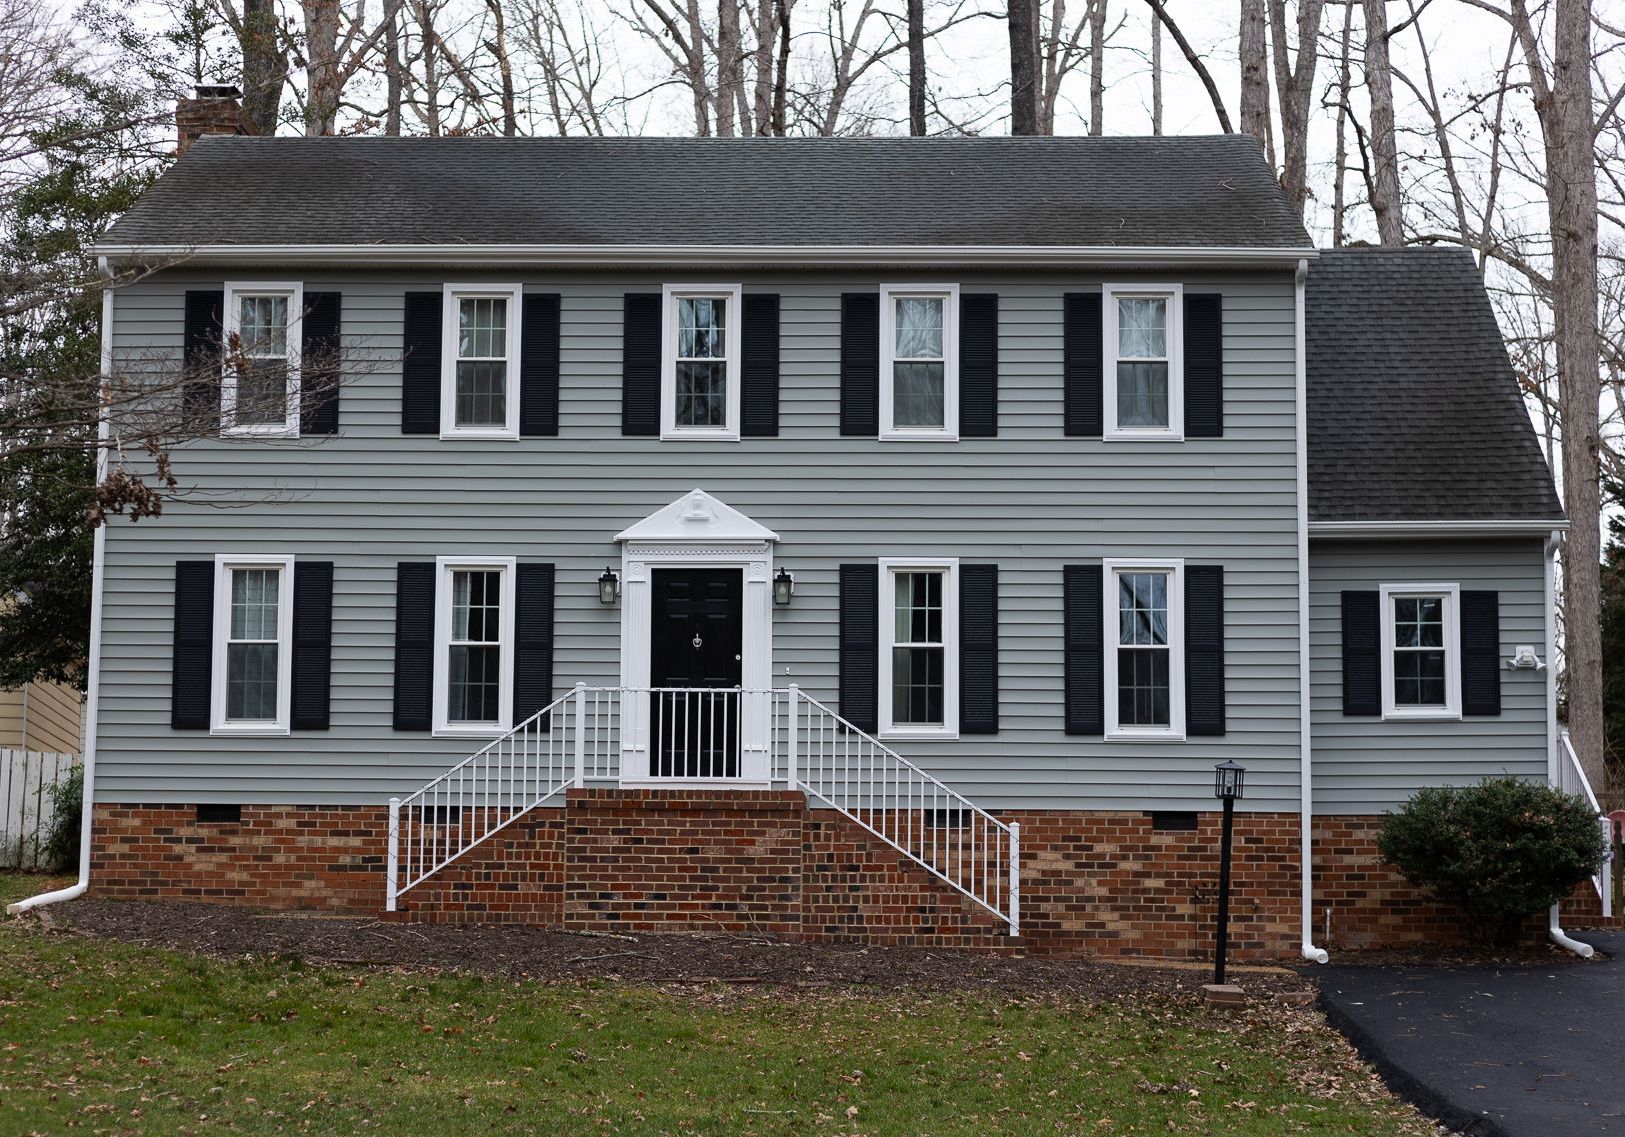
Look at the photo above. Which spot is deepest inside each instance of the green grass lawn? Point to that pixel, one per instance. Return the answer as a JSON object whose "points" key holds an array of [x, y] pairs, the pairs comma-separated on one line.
{"points": [[103, 1037]]}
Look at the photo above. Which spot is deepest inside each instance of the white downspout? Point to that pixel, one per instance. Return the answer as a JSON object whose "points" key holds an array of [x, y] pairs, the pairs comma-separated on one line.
{"points": [[1554, 927], [1306, 802], [93, 679]]}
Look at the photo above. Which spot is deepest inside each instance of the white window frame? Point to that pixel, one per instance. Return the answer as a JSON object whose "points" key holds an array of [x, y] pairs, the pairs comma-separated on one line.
{"points": [[1175, 730], [233, 321], [444, 567], [670, 294], [889, 295], [1451, 710], [514, 295], [224, 565], [949, 567], [1175, 295]]}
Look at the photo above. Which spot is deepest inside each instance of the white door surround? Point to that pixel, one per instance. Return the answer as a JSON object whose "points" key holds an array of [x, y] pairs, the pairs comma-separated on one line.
{"points": [[697, 531]]}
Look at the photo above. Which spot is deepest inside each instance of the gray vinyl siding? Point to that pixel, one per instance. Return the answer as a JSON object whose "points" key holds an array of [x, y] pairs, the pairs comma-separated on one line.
{"points": [[1365, 765], [1029, 500]]}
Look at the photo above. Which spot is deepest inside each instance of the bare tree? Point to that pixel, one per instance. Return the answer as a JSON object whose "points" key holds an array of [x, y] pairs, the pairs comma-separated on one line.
{"points": [[730, 92], [1156, 76], [1097, 67], [1379, 83], [1255, 82], [1196, 64], [916, 67], [1340, 157], [265, 64], [1022, 16], [497, 44], [1294, 88], [1061, 51]]}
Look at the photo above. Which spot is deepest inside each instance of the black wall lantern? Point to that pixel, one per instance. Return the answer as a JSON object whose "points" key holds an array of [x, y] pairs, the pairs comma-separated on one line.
{"points": [[1228, 779], [784, 587], [609, 587]]}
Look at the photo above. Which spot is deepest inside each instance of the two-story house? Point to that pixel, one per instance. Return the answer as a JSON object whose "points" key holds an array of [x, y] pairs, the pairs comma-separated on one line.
{"points": [[879, 538]]}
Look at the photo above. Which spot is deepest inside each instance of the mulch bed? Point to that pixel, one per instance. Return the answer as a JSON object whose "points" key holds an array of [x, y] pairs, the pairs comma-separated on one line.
{"points": [[538, 953]]}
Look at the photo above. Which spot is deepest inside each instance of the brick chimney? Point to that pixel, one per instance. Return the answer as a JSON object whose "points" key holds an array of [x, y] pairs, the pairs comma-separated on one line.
{"points": [[215, 110]]}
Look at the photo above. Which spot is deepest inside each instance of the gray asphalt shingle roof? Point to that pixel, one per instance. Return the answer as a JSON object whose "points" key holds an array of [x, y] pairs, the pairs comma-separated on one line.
{"points": [[1208, 192], [1414, 411]]}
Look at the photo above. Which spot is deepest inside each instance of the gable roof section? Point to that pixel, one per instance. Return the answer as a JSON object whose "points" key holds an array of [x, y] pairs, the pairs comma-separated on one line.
{"points": [[1414, 411], [1185, 192]]}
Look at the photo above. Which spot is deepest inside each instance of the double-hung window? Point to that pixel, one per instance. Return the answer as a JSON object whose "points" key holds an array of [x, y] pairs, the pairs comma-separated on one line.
{"points": [[1145, 654], [474, 645], [1144, 389], [700, 352], [479, 394], [919, 647], [1421, 663], [253, 629], [919, 362], [259, 383]]}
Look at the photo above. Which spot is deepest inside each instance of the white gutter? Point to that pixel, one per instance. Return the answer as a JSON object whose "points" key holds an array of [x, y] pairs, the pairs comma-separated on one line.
{"points": [[1438, 528], [93, 680], [1306, 800], [594, 255], [1554, 542]]}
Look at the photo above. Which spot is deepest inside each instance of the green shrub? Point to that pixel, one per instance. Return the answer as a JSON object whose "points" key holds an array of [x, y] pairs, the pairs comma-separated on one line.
{"points": [[61, 851], [1502, 849]]}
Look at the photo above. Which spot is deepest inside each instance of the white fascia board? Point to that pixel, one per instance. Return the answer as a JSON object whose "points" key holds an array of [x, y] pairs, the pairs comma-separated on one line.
{"points": [[1351, 530], [589, 256]]}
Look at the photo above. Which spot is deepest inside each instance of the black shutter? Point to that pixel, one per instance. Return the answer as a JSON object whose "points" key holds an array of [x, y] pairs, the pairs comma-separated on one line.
{"points": [[539, 365], [979, 365], [1083, 364], [1362, 654], [979, 649], [319, 364], [420, 363], [414, 645], [532, 640], [1204, 649], [1480, 653], [312, 644], [640, 364], [759, 371], [201, 349], [860, 364], [1084, 643], [193, 646], [860, 652], [1204, 365]]}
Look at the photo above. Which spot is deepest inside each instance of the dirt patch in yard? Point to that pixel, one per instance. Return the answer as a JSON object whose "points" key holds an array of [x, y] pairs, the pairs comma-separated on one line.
{"points": [[538, 953]]}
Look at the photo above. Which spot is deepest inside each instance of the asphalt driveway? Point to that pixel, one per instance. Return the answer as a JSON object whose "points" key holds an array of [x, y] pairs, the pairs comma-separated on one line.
{"points": [[1516, 1051]]}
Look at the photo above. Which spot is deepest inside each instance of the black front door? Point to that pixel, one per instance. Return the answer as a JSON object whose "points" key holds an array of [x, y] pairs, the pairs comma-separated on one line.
{"points": [[696, 624]]}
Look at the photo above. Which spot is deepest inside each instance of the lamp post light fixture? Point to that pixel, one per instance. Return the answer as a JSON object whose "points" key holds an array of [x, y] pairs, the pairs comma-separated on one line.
{"points": [[784, 587], [1228, 779], [609, 587]]}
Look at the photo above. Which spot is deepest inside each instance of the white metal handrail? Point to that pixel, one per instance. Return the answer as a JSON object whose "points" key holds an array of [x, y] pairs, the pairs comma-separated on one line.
{"points": [[1571, 779], [938, 828], [698, 734]]}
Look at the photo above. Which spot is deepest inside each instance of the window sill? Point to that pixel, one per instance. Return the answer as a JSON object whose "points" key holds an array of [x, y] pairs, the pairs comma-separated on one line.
{"points": [[259, 432], [1143, 436], [697, 435], [486, 732], [480, 435], [917, 436], [1393, 714], [256, 730], [1121, 735], [941, 734]]}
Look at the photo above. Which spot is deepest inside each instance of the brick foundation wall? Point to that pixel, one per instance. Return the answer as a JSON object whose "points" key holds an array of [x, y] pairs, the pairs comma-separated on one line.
{"points": [[1098, 883]]}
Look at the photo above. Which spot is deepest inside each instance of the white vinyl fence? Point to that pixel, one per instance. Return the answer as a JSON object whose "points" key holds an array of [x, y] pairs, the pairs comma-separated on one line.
{"points": [[26, 804]]}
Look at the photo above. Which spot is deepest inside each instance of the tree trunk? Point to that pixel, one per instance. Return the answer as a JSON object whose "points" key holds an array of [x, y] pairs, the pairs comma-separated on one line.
{"points": [[323, 80], [1097, 67], [916, 68], [499, 49], [1379, 81], [762, 85], [265, 65], [1340, 154], [781, 84], [730, 68], [393, 68], [1255, 84], [1156, 76], [1023, 20], [1294, 85]]}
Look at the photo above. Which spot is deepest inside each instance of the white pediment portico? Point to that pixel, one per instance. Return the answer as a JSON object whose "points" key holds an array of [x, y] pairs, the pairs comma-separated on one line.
{"points": [[697, 516]]}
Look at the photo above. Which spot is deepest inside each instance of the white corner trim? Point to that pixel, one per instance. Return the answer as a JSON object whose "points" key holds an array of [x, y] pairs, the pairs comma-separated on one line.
{"points": [[1441, 528], [231, 318], [1451, 710], [949, 567], [702, 256], [734, 364], [224, 565], [443, 568], [1175, 430], [514, 295], [949, 430], [1175, 567]]}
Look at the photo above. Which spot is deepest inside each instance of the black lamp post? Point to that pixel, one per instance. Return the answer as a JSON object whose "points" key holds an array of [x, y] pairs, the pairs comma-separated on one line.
{"points": [[1227, 785]]}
